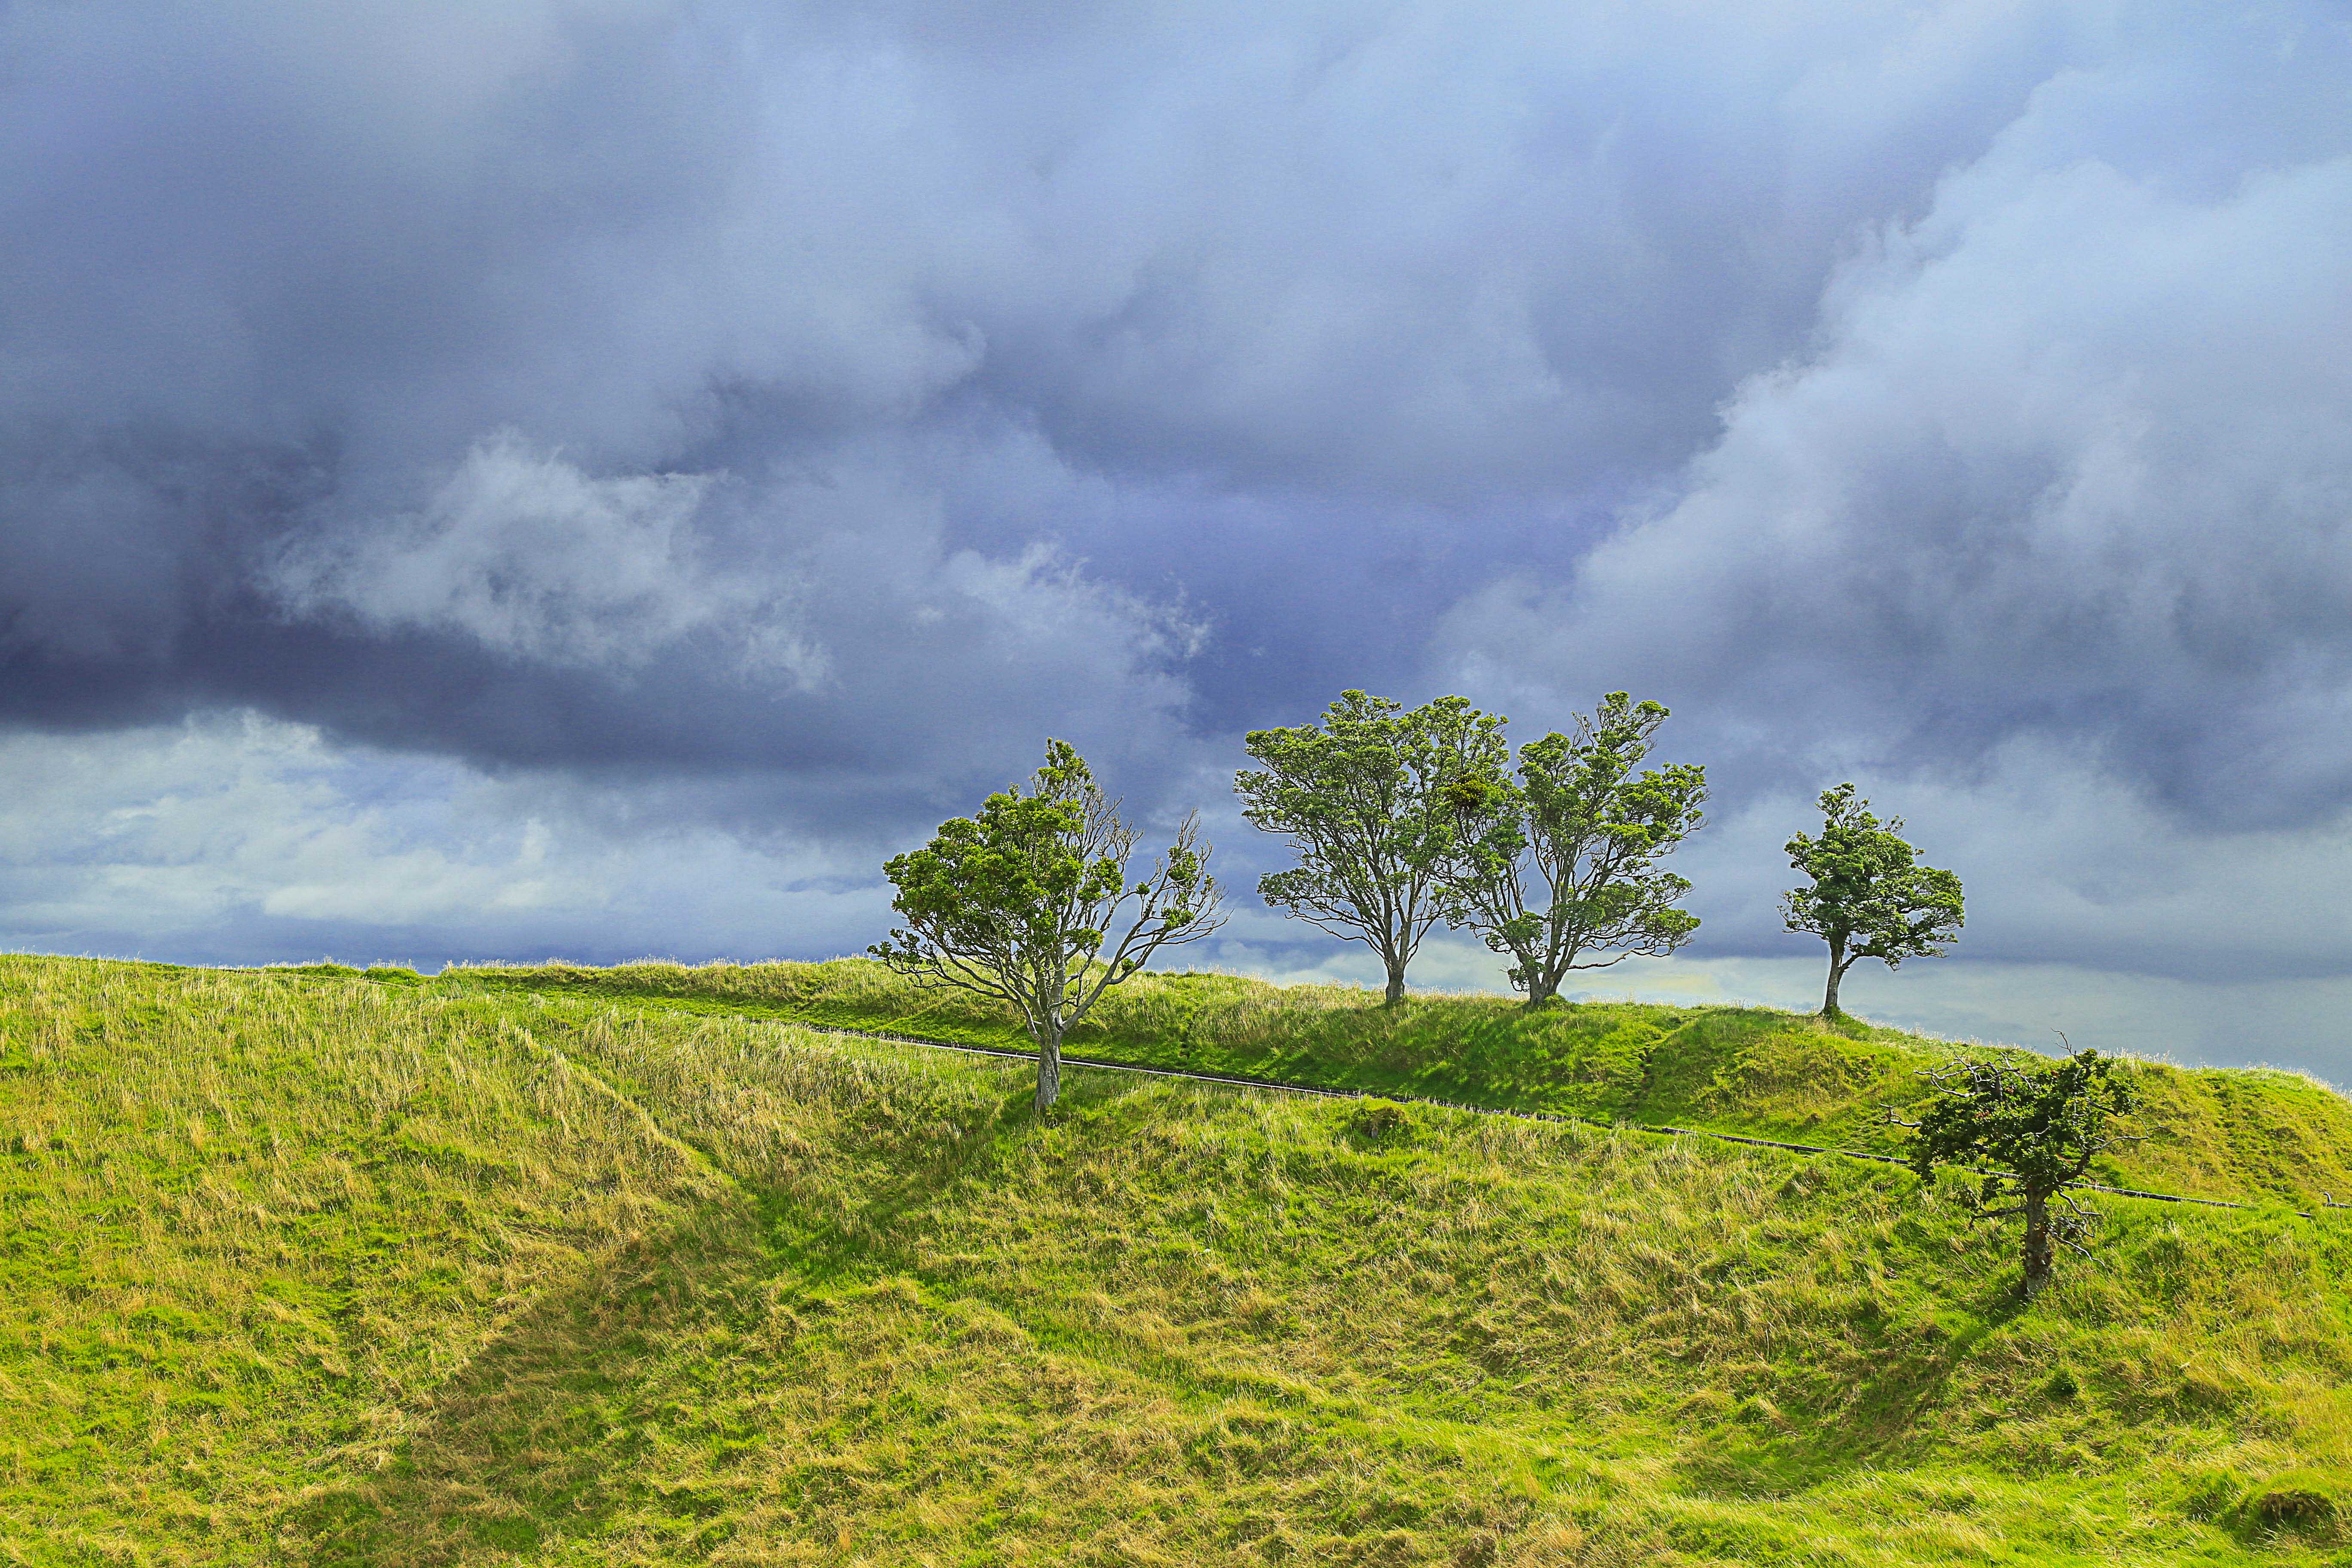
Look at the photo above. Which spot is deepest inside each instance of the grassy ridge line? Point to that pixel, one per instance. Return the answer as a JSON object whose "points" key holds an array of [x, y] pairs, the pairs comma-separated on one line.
{"points": [[1026, 1052], [303, 1270], [2233, 1135]]}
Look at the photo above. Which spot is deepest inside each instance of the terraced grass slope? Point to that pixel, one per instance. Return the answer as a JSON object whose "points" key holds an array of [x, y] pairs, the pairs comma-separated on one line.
{"points": [[313, 1269], [2236, 1134]]}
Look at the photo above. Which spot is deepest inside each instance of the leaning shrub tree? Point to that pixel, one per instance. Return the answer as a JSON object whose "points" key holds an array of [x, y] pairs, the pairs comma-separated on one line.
{"points": [[1022, 903], [1870, 897], [1361, 799], [1561, 864], [2035, 1132]]}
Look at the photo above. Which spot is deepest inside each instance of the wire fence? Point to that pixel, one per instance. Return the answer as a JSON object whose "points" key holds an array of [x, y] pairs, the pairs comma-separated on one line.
{"points": [[1243, 1081]]}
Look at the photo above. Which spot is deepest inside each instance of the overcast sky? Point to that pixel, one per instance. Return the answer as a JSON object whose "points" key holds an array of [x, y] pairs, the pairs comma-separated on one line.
{"points": [[513, 478]]}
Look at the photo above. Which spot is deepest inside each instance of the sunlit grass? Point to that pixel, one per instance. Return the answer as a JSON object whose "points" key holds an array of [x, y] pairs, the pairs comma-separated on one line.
{"points": [[2246, 1134], [313, 1268]]}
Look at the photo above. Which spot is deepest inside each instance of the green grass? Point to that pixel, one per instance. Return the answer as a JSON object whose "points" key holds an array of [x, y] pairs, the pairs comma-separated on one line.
{"points": [[2234, 1135], [318, 1268]]}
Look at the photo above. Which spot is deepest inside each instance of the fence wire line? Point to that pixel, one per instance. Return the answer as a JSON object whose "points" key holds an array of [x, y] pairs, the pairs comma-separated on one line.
{"points": [[1244, 1081]]}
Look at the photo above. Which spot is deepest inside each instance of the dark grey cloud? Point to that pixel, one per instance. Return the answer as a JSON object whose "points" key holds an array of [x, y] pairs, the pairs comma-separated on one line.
{"points": [[1354, 298], [772, 420]]}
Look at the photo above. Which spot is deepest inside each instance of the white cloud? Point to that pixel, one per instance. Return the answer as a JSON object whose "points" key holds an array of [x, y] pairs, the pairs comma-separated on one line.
{"points": [[527, 556], [237, 838], [2064, 862], [2070, 461]]}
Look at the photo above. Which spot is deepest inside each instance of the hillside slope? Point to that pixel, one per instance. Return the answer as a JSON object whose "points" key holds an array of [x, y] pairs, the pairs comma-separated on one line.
{"points": [[2239, 1134], [309, 1269]]}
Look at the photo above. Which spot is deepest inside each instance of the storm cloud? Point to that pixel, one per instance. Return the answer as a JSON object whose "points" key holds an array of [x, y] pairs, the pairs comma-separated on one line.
{"points": [[753, 428]]}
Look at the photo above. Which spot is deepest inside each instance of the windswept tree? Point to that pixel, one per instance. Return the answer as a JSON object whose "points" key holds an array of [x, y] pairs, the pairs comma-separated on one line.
{"points": [[1870, 897], [2033, 1131], [1558, 868], [1029, 902], [1361, 799]]}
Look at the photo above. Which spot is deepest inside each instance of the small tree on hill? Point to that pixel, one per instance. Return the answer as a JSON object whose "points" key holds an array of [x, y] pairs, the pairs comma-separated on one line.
{"points": [[1870, 897], [1562, 862], [2038, 1128], [1021, 901], [1362, 798]]}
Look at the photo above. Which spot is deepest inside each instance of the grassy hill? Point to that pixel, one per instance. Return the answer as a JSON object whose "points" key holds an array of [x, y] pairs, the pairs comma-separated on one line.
{"points": [[2239, 1135], [316, 1268]]}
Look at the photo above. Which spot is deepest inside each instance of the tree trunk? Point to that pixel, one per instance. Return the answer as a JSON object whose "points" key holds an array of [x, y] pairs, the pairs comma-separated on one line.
{"points": [[1837, 972], [2037, 1243], [1049, 1072], [1540, 990], [1396, 983]]}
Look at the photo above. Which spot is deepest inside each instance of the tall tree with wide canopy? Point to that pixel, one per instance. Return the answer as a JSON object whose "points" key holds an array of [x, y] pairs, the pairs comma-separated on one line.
{"points": [[1870, 897], [1561, 865], [1361, 799], [1020, 902]]}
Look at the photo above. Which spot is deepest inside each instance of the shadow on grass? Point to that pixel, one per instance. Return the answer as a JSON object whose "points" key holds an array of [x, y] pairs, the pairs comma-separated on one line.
{"points": [[543, 1429], [548, 1429], [1756, 1451], [821, 1249]]}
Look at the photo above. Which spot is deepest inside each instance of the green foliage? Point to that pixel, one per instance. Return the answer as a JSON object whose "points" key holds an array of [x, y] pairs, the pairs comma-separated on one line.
{"points": [[1562, 862], [1870, 897], [2043, 1126], [1362, 799], [2040, 1129], [1018, 903], [316, 1270]]}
